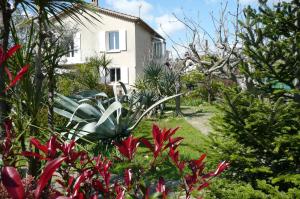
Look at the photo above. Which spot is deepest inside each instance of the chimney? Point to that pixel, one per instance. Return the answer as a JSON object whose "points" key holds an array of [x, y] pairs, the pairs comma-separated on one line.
{"points": [[95, 3]]}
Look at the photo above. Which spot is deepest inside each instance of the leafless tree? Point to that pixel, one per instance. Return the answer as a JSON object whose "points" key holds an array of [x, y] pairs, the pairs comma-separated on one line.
{"points": [[216, 56]]}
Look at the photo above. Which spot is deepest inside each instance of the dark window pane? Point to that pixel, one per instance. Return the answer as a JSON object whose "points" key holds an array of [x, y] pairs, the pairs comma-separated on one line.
{"points": [[112, 73], [71, 48], [118, 74]]}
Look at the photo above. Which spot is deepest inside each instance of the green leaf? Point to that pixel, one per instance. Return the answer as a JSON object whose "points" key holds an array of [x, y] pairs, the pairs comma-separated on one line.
{"points": [[152, 107], [116, 106]]}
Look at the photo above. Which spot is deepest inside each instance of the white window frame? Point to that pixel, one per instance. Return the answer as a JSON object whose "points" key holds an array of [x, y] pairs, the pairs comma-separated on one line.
{"points": [[71, 48], [74, 49], [116, 41], [158, 49], [115, 76]]}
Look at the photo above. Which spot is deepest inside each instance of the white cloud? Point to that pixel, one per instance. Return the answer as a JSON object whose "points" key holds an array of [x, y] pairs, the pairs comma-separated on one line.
{"points": [[132, 7], [168, 24]]}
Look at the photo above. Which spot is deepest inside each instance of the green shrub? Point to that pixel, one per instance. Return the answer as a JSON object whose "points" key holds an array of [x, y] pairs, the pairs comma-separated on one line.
{"points": [[261, 139], [69, 84], [199, 86], [228, 189]]}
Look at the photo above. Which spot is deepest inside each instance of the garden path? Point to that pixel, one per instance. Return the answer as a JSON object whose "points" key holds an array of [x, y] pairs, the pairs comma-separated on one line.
{"points": [[198, 119]]}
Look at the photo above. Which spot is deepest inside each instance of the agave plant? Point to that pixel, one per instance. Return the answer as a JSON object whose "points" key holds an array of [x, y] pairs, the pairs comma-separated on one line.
{"points": [[93, 116]]}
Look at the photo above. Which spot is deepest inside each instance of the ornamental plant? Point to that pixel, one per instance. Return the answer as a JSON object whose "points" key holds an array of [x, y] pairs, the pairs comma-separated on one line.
{"points": [[4, 56], [72, 173]]}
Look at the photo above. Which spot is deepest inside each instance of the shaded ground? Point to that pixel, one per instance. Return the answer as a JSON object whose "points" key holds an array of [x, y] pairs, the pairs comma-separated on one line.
{"points": [[199, 119]]}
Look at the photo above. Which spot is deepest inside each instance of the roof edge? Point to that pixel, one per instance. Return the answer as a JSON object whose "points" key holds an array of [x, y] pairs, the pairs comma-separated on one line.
{"points": [[131, 18]]}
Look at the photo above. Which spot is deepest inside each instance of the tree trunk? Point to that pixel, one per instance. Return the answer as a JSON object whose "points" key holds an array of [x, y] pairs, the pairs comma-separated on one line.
{"points": [[177, 99], [51, 87], [5, 17], [34, 165], [39, 77]]}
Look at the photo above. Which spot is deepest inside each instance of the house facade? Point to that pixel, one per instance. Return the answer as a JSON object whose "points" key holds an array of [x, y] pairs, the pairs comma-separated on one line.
{"points": [[127, 40]]}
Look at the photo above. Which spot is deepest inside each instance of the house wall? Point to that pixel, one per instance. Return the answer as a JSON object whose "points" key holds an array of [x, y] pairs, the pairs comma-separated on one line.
{"points": [[131, 60], [144, 48], [90, 43]]}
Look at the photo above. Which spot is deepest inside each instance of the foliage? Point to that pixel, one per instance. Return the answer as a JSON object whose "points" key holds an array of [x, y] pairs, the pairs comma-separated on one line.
{"points": [[69, 84], [78, 175], [86, 77], [229, 189], [4, 56], [90, 116], [158, 82], [258, 129], [199, 86], [260, 138], [271, 43]]}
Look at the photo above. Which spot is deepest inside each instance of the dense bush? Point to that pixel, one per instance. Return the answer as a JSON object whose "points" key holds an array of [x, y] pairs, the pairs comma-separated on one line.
{"points": [[260, 138], [72, 173], [197, 86], [259, 129], [74, 82]]}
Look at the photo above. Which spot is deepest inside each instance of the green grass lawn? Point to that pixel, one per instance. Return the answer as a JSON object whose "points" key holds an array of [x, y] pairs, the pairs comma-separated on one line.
{"points": [[194, 143]]}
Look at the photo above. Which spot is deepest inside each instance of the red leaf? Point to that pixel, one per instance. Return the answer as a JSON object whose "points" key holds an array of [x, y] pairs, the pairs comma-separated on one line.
{"points": [[175, 157], [11, 51], [98, 185], [12, 182], [128, 177], [52, 145], [50, 168], [161, 187], [8, 54], [147, 144], [174, 142], [32, 154], [8, 132], [120, 192], [205, 184], [221, 167], [85, 175], [8, 73], [38, 145], [17, 78], [128, 147]]}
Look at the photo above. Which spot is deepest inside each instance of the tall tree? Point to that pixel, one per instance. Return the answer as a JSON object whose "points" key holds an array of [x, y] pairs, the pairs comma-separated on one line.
{"points": [[272, 46]]}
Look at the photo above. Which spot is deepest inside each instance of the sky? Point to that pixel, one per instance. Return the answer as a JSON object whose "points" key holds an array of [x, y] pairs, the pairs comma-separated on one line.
{"points": [[159, 14]]}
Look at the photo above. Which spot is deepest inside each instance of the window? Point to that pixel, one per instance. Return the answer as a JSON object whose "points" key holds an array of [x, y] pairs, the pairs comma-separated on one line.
{"points": [[115, 74], [71, 49], [113, 40], [157, 49], [74, 45]]}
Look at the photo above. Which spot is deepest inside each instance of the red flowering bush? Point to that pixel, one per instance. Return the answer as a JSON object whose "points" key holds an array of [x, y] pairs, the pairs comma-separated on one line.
{"points": [[70, 173], [4, 56]]}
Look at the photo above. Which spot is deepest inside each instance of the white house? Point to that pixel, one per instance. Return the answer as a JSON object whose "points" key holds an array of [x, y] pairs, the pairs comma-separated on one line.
{"points": [[127, 40]]}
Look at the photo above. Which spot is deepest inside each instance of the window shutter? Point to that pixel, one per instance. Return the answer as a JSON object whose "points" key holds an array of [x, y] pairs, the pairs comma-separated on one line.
{"points": [[77, 46], [102, 41], [125, 75], [123, 40]]}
